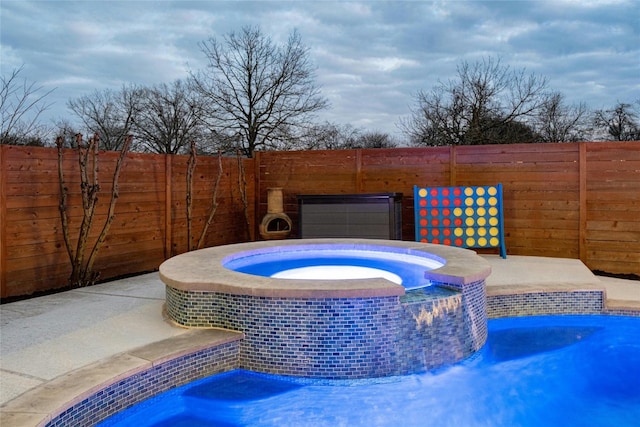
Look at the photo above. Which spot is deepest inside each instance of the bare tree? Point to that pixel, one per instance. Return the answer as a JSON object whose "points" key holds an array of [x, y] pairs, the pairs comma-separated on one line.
{"points": [[328, 136], [169, 117], [81, 254], [109, 114], [557, 122], [256, 89], [191, 167], [374, 140], [21, 105], [621, 122], [242, 188], [67, 133], [486, 99], [332, 136], [214, 205]]}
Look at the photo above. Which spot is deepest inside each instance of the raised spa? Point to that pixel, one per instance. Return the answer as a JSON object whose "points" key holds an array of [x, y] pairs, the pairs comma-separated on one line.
{"points": [[371, 308]]}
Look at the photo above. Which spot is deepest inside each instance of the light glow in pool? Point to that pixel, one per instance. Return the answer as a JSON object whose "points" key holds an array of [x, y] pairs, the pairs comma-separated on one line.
{"points": [[337, 272], [336, 262], [534, 371]]}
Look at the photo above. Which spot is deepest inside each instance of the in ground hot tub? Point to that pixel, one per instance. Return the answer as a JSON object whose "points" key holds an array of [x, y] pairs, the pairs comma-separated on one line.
{"points": [[401, 307], [402, 266]]}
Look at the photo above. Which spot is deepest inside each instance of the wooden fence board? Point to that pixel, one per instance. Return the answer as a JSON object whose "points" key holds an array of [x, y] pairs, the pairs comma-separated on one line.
{"points": [[613, 206]]}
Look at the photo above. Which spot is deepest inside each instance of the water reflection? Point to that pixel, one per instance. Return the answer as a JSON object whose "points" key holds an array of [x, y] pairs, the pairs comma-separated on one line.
{"points": [[509, 344]]}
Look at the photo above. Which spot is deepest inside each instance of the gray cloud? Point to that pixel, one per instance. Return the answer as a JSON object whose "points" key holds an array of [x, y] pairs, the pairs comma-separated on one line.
{"points": [[371, 56]]}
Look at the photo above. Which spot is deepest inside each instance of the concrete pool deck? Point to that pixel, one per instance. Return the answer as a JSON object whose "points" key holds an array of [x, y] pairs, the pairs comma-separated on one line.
{"points": [[54, 342]]}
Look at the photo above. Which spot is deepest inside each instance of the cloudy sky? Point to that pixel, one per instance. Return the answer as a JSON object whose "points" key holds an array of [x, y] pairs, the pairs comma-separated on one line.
{"points": [[371, 56]]}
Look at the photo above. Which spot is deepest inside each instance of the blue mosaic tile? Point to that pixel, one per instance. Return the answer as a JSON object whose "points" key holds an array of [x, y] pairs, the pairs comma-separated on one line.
{"points": [[343, 337]]}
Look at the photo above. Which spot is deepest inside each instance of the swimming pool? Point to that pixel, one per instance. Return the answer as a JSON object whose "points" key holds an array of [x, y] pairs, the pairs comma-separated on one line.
{"points": [[533, 371]]}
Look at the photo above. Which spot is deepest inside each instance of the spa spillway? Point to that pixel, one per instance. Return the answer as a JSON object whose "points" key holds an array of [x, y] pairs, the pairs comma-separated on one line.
{"points": [[335, 308]]}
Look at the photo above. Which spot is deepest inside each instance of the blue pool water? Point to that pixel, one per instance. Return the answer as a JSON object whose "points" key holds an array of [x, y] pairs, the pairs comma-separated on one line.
{"points": [[533, 371], [337, 262]]}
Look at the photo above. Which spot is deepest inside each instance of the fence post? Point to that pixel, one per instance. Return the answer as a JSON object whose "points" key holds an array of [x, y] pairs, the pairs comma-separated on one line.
{"points": [[3, 228], [168, 203], [257, 189], [359, 181], [582, 234], [452, 166]]}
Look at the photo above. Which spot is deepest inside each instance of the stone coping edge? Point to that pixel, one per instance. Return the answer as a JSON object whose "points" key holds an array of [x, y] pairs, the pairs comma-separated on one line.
{"points": [[202, 270], [498, 290], [40, 405]]}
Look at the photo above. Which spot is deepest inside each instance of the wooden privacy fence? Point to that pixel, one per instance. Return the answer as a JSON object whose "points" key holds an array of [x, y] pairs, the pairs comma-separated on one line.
{"points": [[572, 200], [150, 223]]}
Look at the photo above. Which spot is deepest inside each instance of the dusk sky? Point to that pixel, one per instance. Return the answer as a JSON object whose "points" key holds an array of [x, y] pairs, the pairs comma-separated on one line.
{"points": [[371, 57]]}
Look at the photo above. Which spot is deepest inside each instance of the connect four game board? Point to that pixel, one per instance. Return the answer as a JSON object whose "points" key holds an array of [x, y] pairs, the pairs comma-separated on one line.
{"points": [[467, 217]]}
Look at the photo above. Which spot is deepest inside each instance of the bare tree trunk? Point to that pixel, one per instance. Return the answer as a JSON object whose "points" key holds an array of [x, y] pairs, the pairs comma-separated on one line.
{"points": [[214, 204], [82, 273], [242, 185], [112, 204], [62, 207], [191, 166], [89, 190]]}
